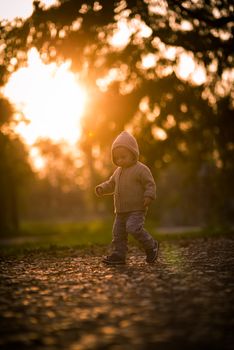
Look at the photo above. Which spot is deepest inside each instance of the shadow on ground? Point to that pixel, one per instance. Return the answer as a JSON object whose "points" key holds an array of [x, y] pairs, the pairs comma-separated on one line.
{"points": [[67, 299]]}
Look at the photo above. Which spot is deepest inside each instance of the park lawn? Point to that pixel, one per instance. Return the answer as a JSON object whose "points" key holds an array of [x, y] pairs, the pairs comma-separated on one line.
{"points": [[34, 235], [41, 235]]}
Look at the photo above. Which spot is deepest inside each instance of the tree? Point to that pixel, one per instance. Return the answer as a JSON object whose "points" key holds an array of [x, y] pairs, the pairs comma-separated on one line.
{"points": [[14, 170], [138, 83], [57, 192]]}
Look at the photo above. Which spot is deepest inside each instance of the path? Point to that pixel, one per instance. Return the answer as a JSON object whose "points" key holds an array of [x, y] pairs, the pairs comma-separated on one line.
{"points": [[67, 299]]}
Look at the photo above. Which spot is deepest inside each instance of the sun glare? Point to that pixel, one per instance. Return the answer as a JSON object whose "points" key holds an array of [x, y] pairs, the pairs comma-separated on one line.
{"points": [[50, 98]]}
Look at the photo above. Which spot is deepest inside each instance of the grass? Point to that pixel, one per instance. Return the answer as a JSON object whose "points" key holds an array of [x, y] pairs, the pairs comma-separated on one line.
{"points": [[47, 235], [81, 235]]}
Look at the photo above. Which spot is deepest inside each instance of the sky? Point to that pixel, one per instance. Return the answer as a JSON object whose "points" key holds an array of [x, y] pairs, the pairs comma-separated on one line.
{"points": [[10, 9]]}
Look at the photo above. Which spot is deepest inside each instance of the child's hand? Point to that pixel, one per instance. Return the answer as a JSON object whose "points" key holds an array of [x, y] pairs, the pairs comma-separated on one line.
{"points": [[147, 201], [99, 191]]}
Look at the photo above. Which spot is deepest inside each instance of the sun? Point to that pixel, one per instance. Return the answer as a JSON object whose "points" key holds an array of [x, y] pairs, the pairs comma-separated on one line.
{"points": [[50, 98]]}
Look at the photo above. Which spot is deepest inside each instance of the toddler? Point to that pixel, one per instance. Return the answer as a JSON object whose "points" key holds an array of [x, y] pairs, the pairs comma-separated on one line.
{"points": [[134, 189]]}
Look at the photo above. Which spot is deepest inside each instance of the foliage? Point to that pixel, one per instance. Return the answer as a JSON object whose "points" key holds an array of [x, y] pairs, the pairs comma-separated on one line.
{"points": [[138, 84], [15, 171]]}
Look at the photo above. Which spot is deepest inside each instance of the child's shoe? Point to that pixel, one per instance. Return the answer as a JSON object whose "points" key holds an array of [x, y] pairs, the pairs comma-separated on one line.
{"points": [[114, 259], [151, 254]]}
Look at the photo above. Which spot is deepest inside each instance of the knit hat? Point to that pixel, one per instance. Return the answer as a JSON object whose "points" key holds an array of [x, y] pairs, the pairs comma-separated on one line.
{"points": [[124, 139]]}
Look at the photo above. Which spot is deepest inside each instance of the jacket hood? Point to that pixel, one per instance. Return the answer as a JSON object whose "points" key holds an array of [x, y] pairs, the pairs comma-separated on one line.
{"points": [[124, 139]]}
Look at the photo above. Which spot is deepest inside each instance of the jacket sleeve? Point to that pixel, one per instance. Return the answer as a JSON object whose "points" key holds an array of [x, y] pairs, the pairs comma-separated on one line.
{"points": [[108, 186], [148, 183]]}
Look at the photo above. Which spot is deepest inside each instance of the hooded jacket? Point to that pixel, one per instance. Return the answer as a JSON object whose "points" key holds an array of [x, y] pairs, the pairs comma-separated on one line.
{"points": [[129, 185]]}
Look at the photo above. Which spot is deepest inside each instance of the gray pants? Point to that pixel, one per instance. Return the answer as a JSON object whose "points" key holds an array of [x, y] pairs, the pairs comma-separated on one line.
{"points": [[130, 223]]}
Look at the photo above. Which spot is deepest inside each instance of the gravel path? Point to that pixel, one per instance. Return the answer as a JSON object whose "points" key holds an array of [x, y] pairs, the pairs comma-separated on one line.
{"points": [[67, 299]]}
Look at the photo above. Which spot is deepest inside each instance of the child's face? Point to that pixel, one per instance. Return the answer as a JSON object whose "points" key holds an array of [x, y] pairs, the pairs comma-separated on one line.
{"points": [[123, 157]]}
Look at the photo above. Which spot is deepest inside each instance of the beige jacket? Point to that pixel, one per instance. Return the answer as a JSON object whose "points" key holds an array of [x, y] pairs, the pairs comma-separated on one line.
{"points": [[129, 185]]}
